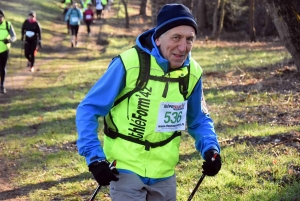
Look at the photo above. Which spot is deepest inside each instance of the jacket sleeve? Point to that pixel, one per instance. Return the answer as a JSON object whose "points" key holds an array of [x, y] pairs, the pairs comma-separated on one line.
{"points": [[200, 125], [97, 103], [12, 33], [67, 16], [23, 30], [39, 31]]}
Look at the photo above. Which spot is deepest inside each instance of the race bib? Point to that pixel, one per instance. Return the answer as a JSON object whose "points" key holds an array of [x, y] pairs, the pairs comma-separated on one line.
{"points": [[171, 117], [29, 34], [88, 17], [74, 19]]}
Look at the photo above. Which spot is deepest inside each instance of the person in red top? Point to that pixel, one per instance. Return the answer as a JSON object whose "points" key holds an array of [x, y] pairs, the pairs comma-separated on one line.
{"points": [[88, 17]]}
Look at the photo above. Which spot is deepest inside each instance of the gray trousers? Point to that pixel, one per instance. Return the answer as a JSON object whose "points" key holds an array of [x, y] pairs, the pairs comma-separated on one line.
{"points": [[131, 188]]}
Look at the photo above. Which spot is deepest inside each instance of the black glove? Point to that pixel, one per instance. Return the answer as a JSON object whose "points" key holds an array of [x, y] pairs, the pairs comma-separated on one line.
{"points": [[6, 41], [102, 173], [212, 164]]}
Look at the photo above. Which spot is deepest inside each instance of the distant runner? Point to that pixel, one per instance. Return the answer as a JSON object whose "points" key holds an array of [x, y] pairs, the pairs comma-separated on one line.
{"points": [[104, 3], [32, 31], [109, 4], [99, 8], [7, 36], [88, 17], [74, 15]]}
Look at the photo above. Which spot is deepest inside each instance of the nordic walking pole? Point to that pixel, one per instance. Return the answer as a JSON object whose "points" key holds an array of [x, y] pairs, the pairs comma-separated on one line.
{"points": [[111, 166], [40, 53], [200, 181], [196, 187], [40, 48], [95, 193], [11, 76], [21, 54]]}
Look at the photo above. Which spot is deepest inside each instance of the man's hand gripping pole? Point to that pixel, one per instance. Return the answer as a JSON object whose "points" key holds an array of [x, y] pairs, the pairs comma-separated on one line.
{"points": [[111, 166]]}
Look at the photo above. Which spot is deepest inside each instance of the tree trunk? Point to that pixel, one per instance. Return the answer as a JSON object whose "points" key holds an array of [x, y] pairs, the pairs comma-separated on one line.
{"points": [[217, 28], [199, 10], [251, 22], [215, 20], [156, 5], [127, 25], [143, 7], [188, 3], [267, 22], [286, 17], [154, 11], [221, 21]]}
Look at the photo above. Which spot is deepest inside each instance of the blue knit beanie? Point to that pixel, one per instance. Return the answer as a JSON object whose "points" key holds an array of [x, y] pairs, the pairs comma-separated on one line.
{"points": [[173, 15]]}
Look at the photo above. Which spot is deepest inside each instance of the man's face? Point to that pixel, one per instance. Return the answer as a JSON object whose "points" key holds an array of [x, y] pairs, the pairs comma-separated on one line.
{"points": [[1, 18], [176, 44]]}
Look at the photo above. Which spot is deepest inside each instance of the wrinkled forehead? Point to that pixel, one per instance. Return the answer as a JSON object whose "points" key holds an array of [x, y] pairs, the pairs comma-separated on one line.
{"points": [[183, 30]]}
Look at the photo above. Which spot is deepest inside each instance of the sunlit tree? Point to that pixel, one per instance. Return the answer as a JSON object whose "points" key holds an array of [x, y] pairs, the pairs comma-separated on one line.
{"points": [[286, 17]]}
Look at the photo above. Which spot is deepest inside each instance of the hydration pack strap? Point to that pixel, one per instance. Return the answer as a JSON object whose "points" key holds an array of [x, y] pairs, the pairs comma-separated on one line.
{"points": [[112, 134], [144, 60]]}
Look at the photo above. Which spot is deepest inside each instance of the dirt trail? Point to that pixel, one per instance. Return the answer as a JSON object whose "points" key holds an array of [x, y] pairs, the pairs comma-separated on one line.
{"points": [[19, 80]]}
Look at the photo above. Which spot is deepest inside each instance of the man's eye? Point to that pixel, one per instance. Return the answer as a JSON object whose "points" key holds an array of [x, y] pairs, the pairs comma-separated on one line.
{"points": [[177, 38], [190, 40]]}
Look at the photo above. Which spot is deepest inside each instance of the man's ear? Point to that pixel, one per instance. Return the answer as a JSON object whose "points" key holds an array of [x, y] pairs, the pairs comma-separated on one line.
{"points": [[157, 42]]}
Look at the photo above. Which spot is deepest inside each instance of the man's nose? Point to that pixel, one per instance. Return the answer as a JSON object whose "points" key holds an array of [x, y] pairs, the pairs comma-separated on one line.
{"points": [[182, 45]]}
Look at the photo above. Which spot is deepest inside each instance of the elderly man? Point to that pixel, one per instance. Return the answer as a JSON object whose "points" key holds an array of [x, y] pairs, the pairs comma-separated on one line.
{"points": [[147, 96]]}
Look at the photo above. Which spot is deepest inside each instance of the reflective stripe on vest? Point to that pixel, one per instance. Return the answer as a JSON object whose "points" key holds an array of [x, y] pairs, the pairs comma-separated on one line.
{"points": [[136, 117]]}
